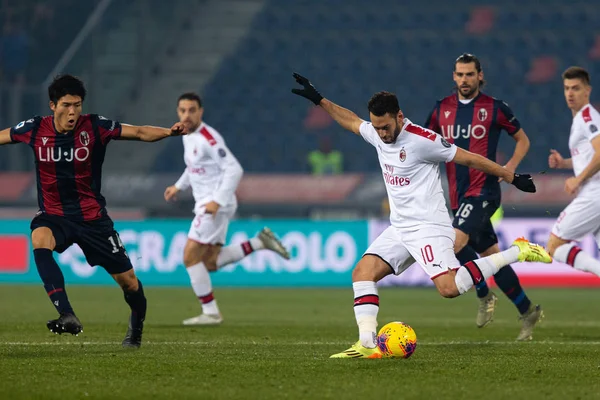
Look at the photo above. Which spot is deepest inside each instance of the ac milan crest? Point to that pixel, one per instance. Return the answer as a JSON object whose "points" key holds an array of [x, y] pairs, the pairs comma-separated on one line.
{"points": [[402, 155], [482, 114], [84, 138]]}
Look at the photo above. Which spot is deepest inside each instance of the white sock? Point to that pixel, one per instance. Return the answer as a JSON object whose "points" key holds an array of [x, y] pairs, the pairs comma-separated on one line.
{"points": [[366, 307], [236, 252], [202, 286], [477, 271], [571, 254]]}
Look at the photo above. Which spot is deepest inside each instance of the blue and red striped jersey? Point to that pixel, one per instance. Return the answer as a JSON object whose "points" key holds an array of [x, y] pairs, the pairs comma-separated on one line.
{"points": [[69, 165], [475, 126]]}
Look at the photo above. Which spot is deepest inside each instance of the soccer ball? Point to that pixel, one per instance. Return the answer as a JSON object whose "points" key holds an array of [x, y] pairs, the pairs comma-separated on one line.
{"points": [[396, 340]]}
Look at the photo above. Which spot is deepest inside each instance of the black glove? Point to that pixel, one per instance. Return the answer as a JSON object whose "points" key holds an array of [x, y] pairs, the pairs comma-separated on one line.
{"points": [[524, 182], [308, 91]]}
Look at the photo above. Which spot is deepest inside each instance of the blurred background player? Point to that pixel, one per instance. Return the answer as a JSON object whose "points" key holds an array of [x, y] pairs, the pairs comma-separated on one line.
{"points": [[214, 173], [69, 151], [325, 160], [582, 215], [472, 120], [420, 230]]}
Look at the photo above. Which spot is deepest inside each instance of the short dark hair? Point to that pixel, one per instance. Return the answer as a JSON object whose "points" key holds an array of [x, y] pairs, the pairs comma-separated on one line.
{"points": [[191, 96], [575, 72], [382, 103], [63, 85]]}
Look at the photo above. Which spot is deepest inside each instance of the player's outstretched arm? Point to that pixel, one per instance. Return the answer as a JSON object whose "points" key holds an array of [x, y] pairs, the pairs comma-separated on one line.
{"points": [[346, 118], [5, 136], [148, 133], [523, 182]]}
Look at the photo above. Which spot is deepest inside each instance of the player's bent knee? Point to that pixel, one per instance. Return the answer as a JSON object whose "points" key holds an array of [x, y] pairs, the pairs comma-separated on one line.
{"points": [[448, 292], [190, 260], [553, 243], [210, 258], [193, 253], [43, 238], [127, 281], [446, 285], [461, 240], [370, 268]]}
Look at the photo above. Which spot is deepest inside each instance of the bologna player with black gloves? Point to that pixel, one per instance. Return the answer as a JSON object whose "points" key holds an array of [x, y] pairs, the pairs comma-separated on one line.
{"points": [[474, 121]]}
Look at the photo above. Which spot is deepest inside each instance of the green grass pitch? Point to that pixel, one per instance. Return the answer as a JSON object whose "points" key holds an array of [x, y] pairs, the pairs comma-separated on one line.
{"points": [[275, 344]]}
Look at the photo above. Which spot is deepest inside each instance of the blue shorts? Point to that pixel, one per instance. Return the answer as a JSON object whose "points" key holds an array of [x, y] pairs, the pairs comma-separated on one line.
{"points": [[473, 218]]}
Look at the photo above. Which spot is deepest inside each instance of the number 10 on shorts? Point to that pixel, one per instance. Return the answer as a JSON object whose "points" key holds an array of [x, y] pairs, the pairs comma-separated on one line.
{"points": [[427, 254]]}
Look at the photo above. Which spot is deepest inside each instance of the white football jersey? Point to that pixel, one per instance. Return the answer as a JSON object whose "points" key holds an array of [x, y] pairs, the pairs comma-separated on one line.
{"points": [[585, 127], [212, 170], [411, 172]]}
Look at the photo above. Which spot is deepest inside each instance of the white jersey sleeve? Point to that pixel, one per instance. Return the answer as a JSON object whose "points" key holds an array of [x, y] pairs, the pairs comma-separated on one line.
{"points": [[435, 149], [183, 182], [591, 122], [232, 172], [368, 133]]}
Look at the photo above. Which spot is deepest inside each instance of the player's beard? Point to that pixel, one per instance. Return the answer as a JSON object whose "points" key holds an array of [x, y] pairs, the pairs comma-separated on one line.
{"points": [[468, 94], [395, 136], [191, 126]]}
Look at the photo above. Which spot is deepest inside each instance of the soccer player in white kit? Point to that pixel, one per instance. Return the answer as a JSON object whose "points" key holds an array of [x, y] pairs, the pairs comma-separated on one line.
{"points": [[421, 230], [582, 215], [213, 173]]}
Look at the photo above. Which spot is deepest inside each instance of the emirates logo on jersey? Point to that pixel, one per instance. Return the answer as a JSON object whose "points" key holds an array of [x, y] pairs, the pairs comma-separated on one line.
{"points": [[402, 155], [482, 114], [84, 138]]}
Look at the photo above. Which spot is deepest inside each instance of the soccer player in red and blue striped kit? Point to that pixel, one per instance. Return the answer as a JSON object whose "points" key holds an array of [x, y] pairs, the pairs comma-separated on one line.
{"points": [[474, 121], [69, 149]]}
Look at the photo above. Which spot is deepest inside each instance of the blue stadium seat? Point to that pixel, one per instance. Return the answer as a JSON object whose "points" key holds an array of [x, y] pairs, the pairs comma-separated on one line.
{"points": [[350, 50]]}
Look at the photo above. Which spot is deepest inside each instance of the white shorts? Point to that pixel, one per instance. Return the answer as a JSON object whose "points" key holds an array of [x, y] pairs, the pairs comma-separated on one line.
{"points": [[432, 248], [579, 219], [209, 228]]}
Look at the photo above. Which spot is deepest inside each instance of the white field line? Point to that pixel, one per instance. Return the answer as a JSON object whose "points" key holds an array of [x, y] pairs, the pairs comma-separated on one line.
{"points": [[209, 344]]}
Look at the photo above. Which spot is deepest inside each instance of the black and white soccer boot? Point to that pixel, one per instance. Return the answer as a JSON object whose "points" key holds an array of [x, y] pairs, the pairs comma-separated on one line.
{"points": [[66, 323]]}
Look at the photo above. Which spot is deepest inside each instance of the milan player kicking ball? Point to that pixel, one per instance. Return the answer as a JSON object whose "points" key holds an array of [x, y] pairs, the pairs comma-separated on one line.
{"points": [[421, 230]]}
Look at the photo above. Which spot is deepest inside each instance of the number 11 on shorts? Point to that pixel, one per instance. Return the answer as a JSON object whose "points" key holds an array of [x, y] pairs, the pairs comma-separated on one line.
{"points": [[427, 254]]}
